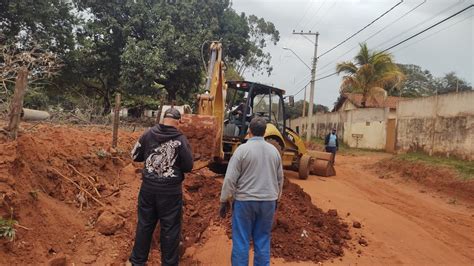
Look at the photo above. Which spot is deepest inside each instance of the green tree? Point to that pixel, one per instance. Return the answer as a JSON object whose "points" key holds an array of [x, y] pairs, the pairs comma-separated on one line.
{"points": [[154, 47], [297, 110], [256, 59], [418, 82], [451, 83], [370, 72], [46, 24]]}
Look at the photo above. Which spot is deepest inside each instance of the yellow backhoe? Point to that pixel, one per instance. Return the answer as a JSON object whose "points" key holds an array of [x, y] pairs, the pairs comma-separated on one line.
{"points": [[225, 110]]}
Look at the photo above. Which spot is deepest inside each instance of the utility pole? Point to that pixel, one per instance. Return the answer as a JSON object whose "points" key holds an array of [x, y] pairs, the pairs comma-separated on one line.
{"points": [[313, 81], [304, 101]]}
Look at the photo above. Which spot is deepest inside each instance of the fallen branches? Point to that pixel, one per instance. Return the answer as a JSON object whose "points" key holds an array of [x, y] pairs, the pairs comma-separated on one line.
{"points": [[79, 187], [86, 178]]}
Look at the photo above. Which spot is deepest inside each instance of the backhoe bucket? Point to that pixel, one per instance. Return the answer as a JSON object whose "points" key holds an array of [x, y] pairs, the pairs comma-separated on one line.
{"points": [[323, 163], [204, 135]]}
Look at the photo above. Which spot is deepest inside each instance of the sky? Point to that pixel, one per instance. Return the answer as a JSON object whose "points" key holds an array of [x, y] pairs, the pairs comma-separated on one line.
{"points": [[445, 48]]}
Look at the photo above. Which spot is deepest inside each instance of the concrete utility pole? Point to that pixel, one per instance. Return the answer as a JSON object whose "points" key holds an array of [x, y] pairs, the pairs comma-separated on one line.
{"points": [[313, 81], [304, 102]]}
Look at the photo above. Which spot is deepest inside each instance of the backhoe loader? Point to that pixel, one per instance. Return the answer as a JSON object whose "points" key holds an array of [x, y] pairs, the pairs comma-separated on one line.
{"points": [[224, 113]]}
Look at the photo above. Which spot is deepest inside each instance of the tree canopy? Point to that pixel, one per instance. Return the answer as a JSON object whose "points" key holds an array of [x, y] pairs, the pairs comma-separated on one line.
{"points": [[297, 110], [420, 82], [145, 49], [370, 72]]}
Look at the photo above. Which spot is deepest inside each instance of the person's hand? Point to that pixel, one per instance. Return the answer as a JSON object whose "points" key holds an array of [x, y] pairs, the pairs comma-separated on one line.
{"points": [[223, 209]]}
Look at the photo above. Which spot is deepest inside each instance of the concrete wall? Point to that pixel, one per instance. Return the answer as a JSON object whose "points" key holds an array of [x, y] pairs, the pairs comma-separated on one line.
{"points": [[366, 128], [362, 128], [441, 125]]}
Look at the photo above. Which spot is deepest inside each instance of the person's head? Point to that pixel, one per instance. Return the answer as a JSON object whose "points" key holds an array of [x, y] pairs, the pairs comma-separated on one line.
{"points": [[258, 125], [171, 117], [334, 131]]}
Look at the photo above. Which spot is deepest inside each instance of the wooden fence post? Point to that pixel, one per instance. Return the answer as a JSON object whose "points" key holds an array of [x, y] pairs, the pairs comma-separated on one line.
{"points": [[16, 105], [116, 120]]}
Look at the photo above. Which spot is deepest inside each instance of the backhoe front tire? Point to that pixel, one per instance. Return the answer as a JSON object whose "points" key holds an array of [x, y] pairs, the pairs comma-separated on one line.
{"points": [[304, 166]]}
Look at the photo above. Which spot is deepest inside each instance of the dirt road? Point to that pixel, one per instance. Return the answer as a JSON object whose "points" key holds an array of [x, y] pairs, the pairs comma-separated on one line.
{"points": [[403, 222]]}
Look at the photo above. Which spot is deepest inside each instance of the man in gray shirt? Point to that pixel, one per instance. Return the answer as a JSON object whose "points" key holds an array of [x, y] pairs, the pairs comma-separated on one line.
{"points": [[254, 181]]}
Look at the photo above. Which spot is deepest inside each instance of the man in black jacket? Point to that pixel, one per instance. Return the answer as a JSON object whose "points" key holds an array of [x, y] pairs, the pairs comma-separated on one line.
{"points": [[167, 156]]}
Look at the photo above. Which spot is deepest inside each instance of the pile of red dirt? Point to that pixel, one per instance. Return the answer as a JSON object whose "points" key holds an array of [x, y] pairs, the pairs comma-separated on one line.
{"points": [[43, 173], [304, 232], [440, 178]]}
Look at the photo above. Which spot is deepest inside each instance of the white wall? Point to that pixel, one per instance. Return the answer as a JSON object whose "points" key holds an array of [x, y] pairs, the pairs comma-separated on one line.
{"points": [[441, 124]]}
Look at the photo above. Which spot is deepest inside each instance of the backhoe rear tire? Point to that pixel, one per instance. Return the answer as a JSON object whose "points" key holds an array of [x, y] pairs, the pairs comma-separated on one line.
{"points": [[304, 166]]}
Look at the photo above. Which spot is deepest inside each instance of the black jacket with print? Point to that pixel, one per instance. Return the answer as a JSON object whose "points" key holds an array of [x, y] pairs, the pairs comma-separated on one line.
{"points": [[167, 156]]}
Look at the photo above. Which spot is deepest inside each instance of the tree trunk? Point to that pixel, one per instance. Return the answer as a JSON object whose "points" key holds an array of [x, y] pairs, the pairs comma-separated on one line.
{"points": [[364, 100], [16, 105], [171, 95], [106, 103]]}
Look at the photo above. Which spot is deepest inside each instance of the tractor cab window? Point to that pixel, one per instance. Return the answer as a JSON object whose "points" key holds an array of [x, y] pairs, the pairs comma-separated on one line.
{"points": [[261, 105], [277, 117]]}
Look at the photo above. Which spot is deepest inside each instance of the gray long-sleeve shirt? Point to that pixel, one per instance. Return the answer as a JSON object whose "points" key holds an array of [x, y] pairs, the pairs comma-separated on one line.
{"points": [[254, 172]]}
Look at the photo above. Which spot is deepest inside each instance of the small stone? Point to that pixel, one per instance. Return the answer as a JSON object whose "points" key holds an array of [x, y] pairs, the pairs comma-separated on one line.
{"points": [[108, 223], [332, 212], [359, 251], [356, 224], [363, 242]]}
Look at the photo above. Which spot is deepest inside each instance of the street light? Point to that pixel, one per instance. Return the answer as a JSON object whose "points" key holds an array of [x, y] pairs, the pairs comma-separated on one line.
{"points": [[289, 49]]}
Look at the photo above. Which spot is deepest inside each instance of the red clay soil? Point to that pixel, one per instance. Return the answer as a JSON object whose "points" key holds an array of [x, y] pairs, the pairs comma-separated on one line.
{"points": [[440, 178], [304, 232], [36, 190]]}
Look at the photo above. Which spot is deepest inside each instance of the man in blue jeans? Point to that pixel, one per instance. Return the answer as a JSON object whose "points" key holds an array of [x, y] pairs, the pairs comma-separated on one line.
{"points": [[254, 180], [332, 144]]}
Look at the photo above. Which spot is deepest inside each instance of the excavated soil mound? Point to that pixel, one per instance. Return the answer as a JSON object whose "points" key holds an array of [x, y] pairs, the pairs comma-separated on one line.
{"points": [[50, 171], [440, 178], [304, 232]]}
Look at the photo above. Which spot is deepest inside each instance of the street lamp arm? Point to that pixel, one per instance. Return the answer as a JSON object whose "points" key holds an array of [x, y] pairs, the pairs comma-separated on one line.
{"points": [[299, 58]]}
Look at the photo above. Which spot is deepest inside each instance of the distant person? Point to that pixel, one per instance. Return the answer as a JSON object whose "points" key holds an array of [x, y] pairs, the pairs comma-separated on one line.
{"points": [[332, 143], [254, 181], [167, 156]]}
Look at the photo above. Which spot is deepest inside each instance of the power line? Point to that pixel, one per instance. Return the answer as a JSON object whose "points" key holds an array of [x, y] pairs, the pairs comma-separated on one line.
{"points": [[436, 32], [421, 23], [305, 13], [413, 36], [314, 15], [300, 90], [323, 16], [373, 35], [432, 26], [366, 26]]}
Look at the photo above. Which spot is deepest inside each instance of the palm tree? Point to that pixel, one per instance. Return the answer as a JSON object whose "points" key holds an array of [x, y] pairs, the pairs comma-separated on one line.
{"points": [[370, 71]]}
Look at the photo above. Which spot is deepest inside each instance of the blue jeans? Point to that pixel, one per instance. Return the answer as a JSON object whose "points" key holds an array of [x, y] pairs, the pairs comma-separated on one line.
{"points": [[252, 220], [333, 151]]}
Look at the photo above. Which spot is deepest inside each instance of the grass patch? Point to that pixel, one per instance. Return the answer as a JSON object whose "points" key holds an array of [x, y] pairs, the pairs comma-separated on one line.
{"points": [[463, 167]]}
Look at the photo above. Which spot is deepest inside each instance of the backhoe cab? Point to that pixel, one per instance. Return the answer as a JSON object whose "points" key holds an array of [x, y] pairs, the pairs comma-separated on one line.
{"points": [[246, 100]]}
